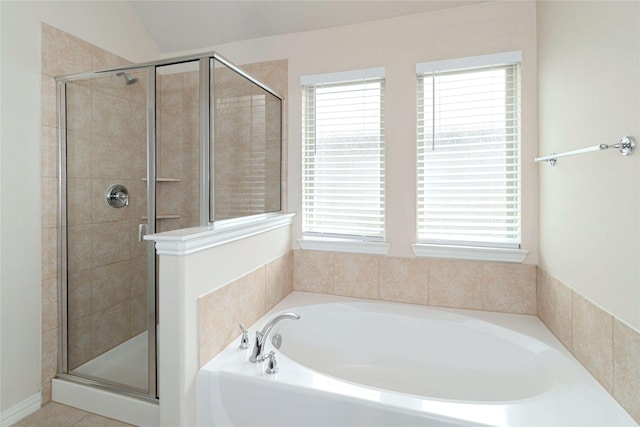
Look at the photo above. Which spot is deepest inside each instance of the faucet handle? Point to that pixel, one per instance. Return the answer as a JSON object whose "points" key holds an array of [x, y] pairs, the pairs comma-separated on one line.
{"points": [[244, 340], [272, 363]]}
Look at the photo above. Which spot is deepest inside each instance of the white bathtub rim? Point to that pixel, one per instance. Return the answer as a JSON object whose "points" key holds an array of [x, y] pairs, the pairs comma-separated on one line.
{"points": [[559, 403], [484, 363]]}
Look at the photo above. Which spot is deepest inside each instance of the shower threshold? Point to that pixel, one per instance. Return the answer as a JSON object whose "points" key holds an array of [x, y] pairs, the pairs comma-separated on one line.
{"points": [[125, 364]]}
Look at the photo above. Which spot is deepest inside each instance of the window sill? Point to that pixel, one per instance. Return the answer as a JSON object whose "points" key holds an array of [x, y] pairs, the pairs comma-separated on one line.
{"points": [[349, 246], [469, 253]]}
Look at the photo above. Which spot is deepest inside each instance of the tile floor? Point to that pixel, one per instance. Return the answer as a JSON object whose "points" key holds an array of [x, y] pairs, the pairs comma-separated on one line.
{"points": [[56, 415]]}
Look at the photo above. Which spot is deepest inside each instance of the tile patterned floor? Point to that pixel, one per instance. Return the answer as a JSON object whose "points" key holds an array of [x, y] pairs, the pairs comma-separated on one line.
{"points": [[56, 415]]}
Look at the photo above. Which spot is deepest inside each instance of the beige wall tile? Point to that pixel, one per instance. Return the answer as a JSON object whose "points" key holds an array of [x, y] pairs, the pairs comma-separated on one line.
{"points": [[170, 156], [170, 90], [49, 145], [191, 94], [78, 201], [555, 308], [313, 271], [110, 242], [356, 275], [49, 102], [64, 54], [50, 318], [110, 327], [49, 255], [509, 288], [49, 359], [271, 73], [79, 294], [626, 368], [110, 285], [79, 248], [111, 158], [79, 108], [169, 198], [251, 296], [455, 284], [279, 279], [219, 318], [593, 340], [102, 59], [111, 85], [79, 341], [138, 276], [138, 123], [404, 280], [79, 164], [46, 395], [49, 202], [109, 115]]}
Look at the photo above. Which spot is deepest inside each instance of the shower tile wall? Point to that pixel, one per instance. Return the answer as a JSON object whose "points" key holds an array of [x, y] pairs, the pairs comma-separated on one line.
{"points": [[247, 120], [606, 346], [106, 144], [178, 199], [106, 263], [243, 300]]}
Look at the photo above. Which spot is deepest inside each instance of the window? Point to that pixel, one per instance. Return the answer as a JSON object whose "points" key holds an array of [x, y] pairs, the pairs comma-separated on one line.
{"points": [[343, 156], [469, 151]]}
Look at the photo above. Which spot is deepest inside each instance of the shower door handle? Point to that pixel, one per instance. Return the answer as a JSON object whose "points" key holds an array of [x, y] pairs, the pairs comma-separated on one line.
{"points": [[142, 231]]}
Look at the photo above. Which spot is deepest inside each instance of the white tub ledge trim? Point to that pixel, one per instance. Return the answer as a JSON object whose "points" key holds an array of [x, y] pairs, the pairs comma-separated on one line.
{"points": [[190, 240]]}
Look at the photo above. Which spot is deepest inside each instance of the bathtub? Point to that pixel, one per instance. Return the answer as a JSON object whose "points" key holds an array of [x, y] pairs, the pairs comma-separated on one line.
{"points": [[353, 362]]}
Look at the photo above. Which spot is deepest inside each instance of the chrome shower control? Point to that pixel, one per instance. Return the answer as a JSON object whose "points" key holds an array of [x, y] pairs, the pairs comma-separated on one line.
{"points": [[117, 196]]}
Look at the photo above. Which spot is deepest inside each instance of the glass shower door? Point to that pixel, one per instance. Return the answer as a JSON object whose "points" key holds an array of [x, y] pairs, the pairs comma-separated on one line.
{"points": [[109, 333]]}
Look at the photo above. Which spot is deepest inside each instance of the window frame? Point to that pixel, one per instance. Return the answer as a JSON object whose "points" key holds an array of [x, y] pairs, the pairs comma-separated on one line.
{"points": [[462, 249], [337, 241]]}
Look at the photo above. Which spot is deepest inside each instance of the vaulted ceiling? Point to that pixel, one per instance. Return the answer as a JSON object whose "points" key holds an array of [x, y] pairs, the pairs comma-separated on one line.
{"points": [[186, 25]]}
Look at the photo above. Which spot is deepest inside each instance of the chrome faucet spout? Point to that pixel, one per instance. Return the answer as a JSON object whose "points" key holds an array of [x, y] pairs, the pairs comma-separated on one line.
{"points": [[261, 336]]}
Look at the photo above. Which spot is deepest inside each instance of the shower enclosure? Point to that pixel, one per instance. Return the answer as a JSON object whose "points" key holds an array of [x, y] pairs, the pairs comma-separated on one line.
{"points": [[147, 148]]}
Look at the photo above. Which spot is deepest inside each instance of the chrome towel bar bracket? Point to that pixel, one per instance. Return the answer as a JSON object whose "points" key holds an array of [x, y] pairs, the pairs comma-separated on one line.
{"points": [[626, 146]]}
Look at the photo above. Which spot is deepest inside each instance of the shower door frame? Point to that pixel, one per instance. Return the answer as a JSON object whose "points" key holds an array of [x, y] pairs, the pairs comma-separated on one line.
{"points": [[206, 124], [149, 228]]}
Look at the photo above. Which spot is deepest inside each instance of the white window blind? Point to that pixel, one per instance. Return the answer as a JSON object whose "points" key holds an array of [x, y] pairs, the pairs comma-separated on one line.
{"points": [[343, 156], [469, 152]]}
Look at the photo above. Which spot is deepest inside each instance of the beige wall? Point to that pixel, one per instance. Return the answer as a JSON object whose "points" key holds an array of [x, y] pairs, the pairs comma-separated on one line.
{"points": [[589, 79], [398, 44], [113, 26]]}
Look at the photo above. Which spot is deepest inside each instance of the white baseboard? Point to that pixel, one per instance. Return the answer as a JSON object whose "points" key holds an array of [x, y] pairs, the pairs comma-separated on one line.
{"points": [[21, 410]]}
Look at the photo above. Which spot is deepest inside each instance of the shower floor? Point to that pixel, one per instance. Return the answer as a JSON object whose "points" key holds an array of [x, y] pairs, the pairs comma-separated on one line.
{"points": [[126, 364]]}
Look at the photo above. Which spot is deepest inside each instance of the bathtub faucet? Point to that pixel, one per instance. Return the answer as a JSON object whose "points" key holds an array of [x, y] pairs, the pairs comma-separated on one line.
{"points": [[261, 336]]}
